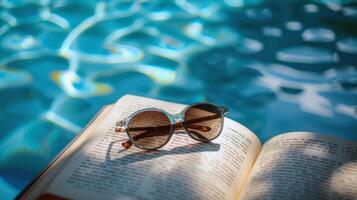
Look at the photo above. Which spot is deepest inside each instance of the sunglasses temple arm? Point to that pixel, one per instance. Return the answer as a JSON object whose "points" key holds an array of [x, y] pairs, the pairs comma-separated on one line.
{"points": [[187, 122], [201, 119], [127, 144]]}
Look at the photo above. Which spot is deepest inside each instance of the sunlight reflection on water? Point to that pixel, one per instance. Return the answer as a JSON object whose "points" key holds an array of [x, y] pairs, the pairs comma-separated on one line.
{"points": [[278, 66]]}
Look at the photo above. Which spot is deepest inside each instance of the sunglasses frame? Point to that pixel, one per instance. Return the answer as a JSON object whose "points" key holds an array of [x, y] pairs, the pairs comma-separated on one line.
{"points": [[122, 125]]}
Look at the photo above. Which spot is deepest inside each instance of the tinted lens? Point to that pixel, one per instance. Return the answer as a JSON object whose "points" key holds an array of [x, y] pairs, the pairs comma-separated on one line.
{"points": [[203, 122], [149, 129]]}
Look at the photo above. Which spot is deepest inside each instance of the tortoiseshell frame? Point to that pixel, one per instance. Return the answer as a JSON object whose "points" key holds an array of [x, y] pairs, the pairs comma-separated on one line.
{"points": [[175, 120]]}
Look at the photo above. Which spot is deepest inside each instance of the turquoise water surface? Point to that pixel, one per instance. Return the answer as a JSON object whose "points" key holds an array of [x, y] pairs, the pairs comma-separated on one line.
{"points": [[278, 65]]}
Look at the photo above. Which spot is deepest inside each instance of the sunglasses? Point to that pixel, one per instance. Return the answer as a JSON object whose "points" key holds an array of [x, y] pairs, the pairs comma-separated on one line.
{"points": [[152, 128]]}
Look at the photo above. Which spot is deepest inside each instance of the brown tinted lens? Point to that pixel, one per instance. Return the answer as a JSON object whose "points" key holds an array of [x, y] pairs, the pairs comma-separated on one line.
{"points": [[203, 122], [149, 129]]}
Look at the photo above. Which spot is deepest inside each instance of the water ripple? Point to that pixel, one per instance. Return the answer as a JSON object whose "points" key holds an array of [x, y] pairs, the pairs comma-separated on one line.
{"points": [[347, 45], [9, 79], [270, 62], [318, 35], [307, 55], [77, 86], [311, 8]]}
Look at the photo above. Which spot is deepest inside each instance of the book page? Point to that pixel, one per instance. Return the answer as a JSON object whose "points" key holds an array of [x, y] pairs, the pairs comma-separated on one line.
{"points": [[59, 162], [182, 169], [304, 166]]}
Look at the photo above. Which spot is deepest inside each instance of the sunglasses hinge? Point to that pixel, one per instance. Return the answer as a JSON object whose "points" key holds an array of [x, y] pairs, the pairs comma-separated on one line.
{"points": [[121, 123], [120, 126], [177, 118], [223, 110]]}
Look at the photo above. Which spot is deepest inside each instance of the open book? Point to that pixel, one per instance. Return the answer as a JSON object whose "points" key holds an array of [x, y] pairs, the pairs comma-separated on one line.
{"points": [[297, 165]]}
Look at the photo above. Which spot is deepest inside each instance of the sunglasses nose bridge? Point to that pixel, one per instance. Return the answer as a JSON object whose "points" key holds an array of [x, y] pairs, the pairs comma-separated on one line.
{"points": [[177, 122]]}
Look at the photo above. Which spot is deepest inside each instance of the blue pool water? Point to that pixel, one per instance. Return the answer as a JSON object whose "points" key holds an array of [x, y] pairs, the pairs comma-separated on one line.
{"points": [[278, 65]]}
